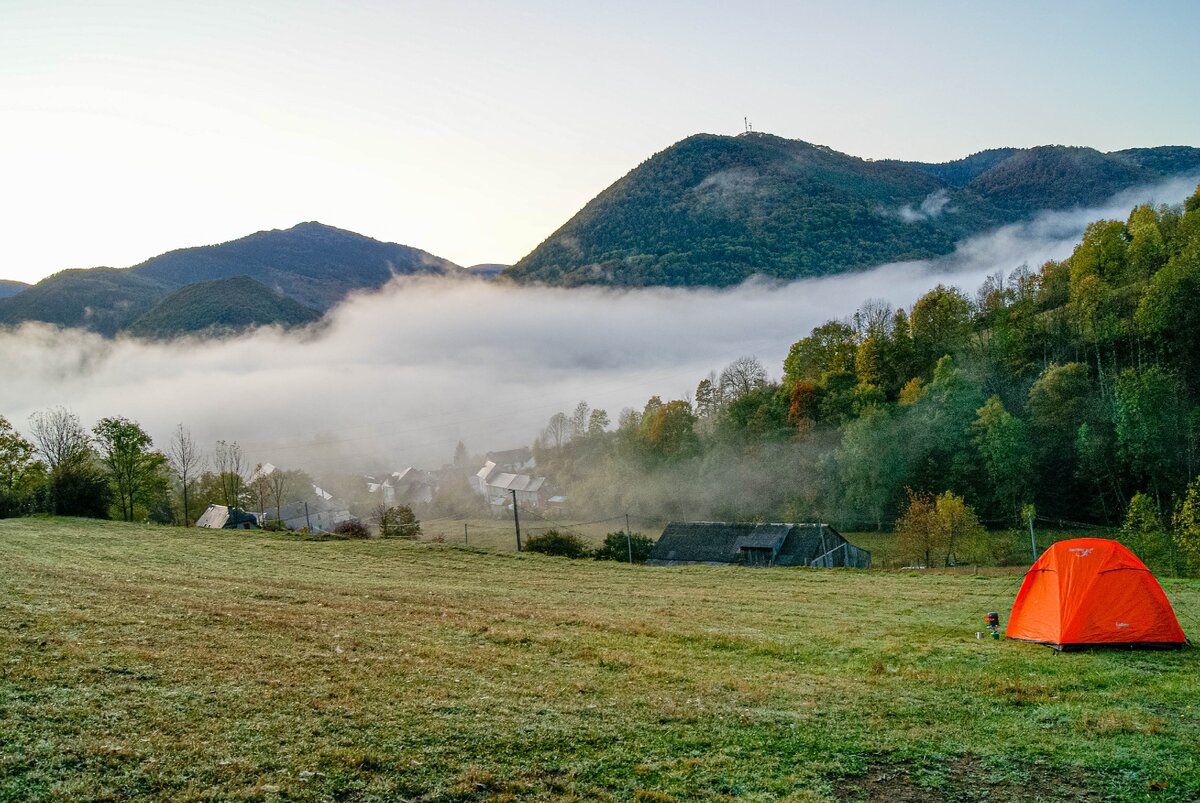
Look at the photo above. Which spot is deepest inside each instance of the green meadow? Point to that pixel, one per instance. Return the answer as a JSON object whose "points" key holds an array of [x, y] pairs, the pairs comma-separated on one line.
{"points": [[146, 663]]}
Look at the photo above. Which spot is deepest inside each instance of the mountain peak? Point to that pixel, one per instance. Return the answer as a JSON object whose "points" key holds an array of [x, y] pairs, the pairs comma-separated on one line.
{"points": [[714, 210]]}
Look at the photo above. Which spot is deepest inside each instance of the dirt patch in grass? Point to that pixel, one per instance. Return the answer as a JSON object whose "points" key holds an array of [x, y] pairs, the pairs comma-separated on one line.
{"points": [[965, 780]]}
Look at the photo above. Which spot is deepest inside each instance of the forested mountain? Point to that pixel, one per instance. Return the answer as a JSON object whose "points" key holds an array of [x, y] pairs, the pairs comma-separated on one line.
{"points": [[714, 210], [104, 300], [9, 287], [312, 264], [1075, 389], [219, 307]]}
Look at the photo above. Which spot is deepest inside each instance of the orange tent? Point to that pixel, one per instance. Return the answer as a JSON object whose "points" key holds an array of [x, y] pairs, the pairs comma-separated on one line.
{"points": [[1092, 592]]}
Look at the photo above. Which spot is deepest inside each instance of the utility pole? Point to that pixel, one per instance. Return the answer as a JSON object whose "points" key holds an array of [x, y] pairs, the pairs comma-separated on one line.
{"points": [[307, 520], [628, 539], [516, 519], [466, 541], [1032, 539]]}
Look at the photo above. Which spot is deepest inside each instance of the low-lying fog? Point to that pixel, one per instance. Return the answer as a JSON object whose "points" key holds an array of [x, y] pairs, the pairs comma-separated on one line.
{"points": [[398, 377]]}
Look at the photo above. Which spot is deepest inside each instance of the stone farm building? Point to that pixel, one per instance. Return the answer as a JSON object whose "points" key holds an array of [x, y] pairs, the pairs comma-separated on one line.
{"points": [[752, 544]]}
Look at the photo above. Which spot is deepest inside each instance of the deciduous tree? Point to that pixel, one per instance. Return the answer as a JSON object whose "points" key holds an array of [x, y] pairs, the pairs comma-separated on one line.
{"points": [[1003, 442], [186, 462], [133, 466], [230, 463], [20, 471], [397, 522]]}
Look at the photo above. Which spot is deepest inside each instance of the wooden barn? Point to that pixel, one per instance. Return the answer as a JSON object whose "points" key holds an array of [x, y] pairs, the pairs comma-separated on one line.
{"points": [[751, 544]]}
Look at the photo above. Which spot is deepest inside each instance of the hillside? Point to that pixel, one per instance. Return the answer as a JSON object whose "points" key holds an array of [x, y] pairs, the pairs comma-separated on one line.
{"points": [[255, 666], [8, 287], [104, 300], [219, 307], [714, 210], [312, 264]]}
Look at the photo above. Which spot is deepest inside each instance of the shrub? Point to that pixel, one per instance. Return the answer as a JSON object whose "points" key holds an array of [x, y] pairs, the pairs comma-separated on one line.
{"points": [[1145, 534], [397, 522], [553, 542], [352, 528], [83, 492], [616, 547]]}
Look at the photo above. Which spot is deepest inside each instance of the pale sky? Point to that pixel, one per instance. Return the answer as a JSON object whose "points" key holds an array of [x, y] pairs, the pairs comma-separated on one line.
{"points": [[474, 129]]}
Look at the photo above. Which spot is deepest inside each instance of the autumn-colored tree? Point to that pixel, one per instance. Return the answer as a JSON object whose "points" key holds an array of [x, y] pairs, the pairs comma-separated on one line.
{"points": [[668, 429], [830, 348], [917, 533], [939, 529], [803, 405], [960, 531]]}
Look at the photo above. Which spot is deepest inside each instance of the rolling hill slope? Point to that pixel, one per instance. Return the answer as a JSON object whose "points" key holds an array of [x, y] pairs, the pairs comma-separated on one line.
{"points": [[714, 210], [218, 307], [312, 264], [9, 288]]}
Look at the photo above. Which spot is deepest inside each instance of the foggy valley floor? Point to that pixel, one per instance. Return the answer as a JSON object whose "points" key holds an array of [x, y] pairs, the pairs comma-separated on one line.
{"points": [[145, 663]]}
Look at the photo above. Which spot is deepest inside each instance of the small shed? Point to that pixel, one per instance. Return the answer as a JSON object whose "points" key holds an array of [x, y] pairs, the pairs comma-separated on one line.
{"points": [[754, 544], [220, 517]]}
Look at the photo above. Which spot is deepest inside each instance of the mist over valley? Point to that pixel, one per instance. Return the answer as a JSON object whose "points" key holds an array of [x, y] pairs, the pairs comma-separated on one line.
{"points": [[398, 376]]}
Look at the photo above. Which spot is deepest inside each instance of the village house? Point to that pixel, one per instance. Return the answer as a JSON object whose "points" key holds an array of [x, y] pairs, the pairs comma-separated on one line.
{"points": [[504, 473], [412, 486]]}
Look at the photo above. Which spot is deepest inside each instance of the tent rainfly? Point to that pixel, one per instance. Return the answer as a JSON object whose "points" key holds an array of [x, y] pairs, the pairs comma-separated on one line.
{"points": [[1089, 593]]}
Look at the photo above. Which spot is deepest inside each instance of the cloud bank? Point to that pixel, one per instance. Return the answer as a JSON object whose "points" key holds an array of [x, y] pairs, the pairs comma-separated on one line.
{"points": [[398, 377]]}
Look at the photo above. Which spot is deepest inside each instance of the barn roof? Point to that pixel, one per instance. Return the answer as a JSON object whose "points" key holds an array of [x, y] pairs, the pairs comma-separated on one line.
{"points": [[789, 544]]}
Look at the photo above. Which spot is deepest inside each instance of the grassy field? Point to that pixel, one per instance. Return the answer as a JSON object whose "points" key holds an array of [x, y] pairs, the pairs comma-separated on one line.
{"points": [[149, 663], [499, 535]]}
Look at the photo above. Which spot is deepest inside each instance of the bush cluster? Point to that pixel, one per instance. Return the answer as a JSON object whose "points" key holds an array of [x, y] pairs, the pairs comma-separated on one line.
{"points": [[352, 528], [569, 545], [617, 547], [561, 544]]}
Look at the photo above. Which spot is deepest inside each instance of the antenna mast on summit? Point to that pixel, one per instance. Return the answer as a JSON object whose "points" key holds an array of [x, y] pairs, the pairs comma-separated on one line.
{"points": [[746, 123]]}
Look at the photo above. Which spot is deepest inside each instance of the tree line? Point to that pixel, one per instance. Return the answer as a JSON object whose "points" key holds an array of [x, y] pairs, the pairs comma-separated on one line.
{"points": [[1074, 388], [115, 471]]}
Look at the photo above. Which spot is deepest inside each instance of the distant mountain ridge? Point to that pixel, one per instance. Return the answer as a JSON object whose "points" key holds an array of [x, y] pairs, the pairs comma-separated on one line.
{"points": [[8, 287], [708, 211], [311, 264], [714, 210]]}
